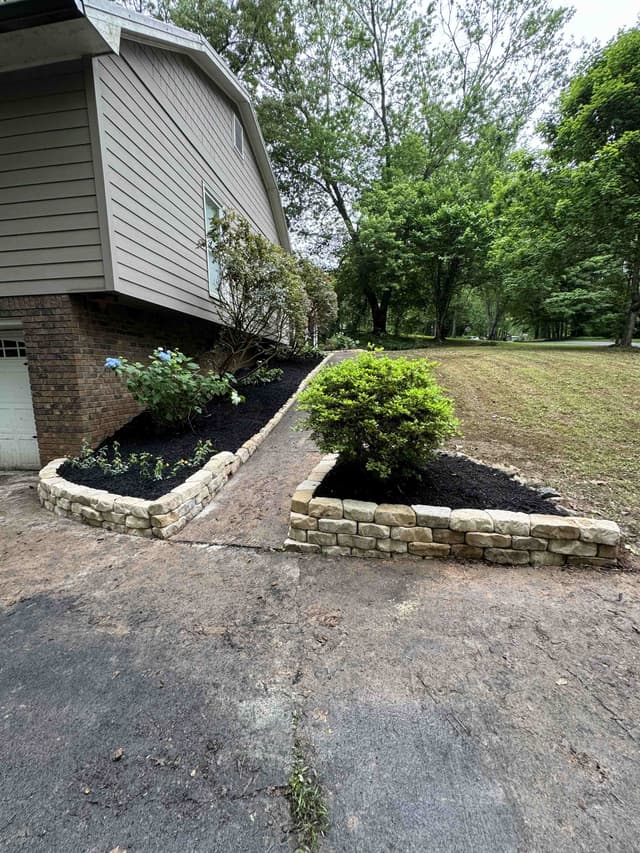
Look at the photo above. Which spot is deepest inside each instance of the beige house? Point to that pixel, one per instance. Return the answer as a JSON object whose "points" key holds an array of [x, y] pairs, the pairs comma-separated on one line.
{"points": [[120, 137]]}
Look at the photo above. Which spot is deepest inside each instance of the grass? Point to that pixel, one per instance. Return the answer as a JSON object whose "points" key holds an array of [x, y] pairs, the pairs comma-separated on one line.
{"points": [[306, 802], [568, 417]]}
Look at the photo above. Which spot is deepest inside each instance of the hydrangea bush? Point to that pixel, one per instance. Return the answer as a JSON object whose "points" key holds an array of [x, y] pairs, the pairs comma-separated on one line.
{"points": [[171, 387], [387, 415]]}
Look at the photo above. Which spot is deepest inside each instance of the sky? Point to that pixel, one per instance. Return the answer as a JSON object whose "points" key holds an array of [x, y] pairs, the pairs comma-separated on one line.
{"points": [[600, 19]]}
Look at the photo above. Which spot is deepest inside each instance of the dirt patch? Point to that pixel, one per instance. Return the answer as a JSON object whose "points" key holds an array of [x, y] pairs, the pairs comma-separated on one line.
{"points": [[226, 425], [451, 481]]}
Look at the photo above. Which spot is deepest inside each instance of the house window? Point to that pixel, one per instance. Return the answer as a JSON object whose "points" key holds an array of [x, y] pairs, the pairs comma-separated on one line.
{"points": [[12, 349], [212, 210], [238, 135]]}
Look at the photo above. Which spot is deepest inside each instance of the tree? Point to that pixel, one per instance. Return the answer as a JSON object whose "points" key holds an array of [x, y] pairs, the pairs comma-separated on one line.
{"points": [[596, 132]]}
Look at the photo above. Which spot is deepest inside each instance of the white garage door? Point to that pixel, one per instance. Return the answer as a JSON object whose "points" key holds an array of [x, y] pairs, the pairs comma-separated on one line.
{"points": [[18, 442]]}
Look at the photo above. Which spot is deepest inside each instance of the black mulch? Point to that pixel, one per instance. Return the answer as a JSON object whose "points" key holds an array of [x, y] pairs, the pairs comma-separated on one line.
{"points": [[451, 481], [226, 425]]}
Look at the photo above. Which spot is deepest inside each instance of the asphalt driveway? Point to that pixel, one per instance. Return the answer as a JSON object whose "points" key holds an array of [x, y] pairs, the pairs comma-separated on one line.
{"points": [[445, 707]]}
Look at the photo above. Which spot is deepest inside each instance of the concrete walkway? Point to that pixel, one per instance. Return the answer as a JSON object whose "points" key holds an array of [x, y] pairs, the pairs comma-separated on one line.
{"points": [[253, 508]]}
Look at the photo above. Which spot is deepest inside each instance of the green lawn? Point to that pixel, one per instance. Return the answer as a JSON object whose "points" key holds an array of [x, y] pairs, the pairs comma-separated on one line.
{"points": [[570, 417]]}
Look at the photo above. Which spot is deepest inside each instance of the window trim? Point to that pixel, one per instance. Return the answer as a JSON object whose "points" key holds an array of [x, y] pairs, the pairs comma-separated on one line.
{"points": [[236, 123], [208, 194]]}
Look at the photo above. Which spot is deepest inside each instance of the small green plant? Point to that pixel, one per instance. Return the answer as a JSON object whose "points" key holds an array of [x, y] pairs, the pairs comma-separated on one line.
{"points": [[171, 388], [387, 415], [148, 466], [341, 341], [262, 375], [306, 803]]}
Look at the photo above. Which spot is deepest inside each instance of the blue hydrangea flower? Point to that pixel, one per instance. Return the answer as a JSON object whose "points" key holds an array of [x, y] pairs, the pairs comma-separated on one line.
{"points": [[112, 363], [164, 356]]}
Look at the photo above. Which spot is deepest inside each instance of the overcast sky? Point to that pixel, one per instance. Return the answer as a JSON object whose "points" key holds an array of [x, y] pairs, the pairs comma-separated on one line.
{"points": [[601, 19]]}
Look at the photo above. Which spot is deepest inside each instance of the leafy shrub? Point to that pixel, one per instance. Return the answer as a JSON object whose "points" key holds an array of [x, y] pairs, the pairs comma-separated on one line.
{"points": [[171, 387], [261, 298], [262, 375], [387, 415], [341, 341], [148, 466]]}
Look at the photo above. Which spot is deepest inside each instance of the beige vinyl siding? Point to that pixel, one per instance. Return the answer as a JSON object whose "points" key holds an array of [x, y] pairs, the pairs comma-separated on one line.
{"points": [[49, 234], [166, 132]]}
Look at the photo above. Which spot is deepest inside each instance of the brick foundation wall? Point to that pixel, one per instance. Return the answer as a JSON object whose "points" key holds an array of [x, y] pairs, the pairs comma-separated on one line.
{"points": [[68, 338]]}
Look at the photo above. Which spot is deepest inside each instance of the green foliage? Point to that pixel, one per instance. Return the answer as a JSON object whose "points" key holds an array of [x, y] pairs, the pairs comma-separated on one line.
{"points": [[262, 375], [341, 341], [306, 803], [148, 466], [171, 388], [320, 289], [261, 300], [387, 415]]}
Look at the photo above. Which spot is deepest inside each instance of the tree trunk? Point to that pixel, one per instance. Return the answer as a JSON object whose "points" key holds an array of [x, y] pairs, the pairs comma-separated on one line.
{"points": [[379, 310], [634, 307]]}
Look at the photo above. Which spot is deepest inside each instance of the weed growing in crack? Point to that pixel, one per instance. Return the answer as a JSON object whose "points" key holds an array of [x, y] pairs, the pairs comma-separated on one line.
{"points": [[306, 802]]}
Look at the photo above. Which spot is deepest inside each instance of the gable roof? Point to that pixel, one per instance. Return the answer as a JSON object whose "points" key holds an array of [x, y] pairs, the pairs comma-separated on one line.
{"points": [[36, 32]]}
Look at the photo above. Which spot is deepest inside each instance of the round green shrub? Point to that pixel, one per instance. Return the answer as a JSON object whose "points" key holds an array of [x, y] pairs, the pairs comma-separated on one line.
{"points": [[387, 415]]}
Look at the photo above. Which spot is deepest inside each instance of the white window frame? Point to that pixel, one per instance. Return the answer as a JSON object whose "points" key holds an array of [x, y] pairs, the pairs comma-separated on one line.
{"points": [[235, 125], [209, 203]]}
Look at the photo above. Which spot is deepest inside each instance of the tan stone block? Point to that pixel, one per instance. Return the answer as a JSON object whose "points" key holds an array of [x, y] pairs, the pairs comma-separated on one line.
{"points": [[337, 525], [90, 514], [164, 504], [448, 537], [300, 521], [63, 513], [598, 530], [215, 465], [395, 514], [113, 527], [335, 551], [114, 517], [546, 558], [429, 549], [432, 516], [297, 535], [325, 508], [412, 534], [243, 454], [186, 491], [316, 537], [554, 527], [301, 547], [529, 543], [170, 529], [133, 506], [65, 504], [144, 532], [225, 457], [136, 523], [300, 501], [488, 540], [506, 556], [466, 552], [476, 520], [351, 540], [391, 546], [378, 531], [202, 478], [511, 523], [369, 554], [359, 510], [607, 552], [574, 547], [593, 562], [103, 502]]}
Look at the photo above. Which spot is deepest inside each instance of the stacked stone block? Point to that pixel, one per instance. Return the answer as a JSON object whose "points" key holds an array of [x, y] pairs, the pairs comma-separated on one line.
{"points": [[358, 528]]}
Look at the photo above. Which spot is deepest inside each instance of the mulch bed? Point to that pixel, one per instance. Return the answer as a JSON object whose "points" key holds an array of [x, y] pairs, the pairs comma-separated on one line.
{"points": [[451, 481], [226, 425]]}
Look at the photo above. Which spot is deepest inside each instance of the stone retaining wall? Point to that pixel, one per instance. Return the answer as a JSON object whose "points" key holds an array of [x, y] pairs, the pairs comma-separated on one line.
{"points": [[357, 528], [166, 515]]}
